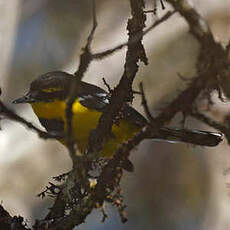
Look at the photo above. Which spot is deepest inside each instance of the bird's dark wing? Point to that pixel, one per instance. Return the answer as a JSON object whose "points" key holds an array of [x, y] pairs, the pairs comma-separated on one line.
{"points": [[92, 97], [96, 98]]}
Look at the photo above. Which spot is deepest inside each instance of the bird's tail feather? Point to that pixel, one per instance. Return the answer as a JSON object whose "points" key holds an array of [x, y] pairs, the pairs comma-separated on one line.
{"points": [[196, 137]]}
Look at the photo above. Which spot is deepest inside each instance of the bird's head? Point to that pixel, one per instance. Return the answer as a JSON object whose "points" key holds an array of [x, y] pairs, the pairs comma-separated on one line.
{"points": [[48, 87]]}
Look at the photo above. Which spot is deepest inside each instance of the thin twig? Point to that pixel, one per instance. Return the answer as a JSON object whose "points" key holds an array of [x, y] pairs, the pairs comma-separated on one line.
{"points": [[90, 37], [85, 60], [162, 4], [13, 116], [107, 85], [197, 24], [144, 103], [134, 39]]}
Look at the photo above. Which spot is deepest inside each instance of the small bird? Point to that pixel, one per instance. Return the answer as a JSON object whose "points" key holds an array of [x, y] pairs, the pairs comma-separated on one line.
{"points": [[48, 95]]}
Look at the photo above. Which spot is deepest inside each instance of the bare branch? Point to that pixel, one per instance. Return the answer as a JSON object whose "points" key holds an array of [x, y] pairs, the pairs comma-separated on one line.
{"points": [[134, 39], [90, 37], [144, 103], [213, 60], [135, 52], [13, 116], [85, 60], [198, 26]]}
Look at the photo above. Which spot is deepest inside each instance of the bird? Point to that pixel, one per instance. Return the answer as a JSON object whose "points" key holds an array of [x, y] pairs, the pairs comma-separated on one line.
{"points": [[48, 95]]}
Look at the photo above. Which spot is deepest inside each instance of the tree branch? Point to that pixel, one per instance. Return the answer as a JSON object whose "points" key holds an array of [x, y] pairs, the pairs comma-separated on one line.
{"points": [[123, 92], [8, 113]]}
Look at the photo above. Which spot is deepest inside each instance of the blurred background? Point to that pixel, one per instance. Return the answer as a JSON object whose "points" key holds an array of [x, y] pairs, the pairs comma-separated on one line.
{"points": [[174, 186]]}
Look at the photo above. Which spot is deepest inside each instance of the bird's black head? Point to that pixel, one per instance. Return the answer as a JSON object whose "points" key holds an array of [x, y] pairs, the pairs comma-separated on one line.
{"points": [[48, 87]]}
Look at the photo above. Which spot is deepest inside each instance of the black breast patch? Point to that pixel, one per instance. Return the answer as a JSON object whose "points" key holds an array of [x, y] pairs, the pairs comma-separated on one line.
{"points": [[53, 125]]}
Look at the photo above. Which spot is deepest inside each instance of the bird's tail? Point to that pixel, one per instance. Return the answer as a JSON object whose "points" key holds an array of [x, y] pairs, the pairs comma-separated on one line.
{"points": [[195, 137]]}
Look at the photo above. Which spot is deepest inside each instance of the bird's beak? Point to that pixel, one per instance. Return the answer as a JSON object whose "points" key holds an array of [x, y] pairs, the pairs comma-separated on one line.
{"points": [[24, 99]]}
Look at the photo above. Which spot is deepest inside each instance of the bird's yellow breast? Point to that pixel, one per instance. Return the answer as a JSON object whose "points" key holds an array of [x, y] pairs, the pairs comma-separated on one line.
{"points": [[84, 120]]}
